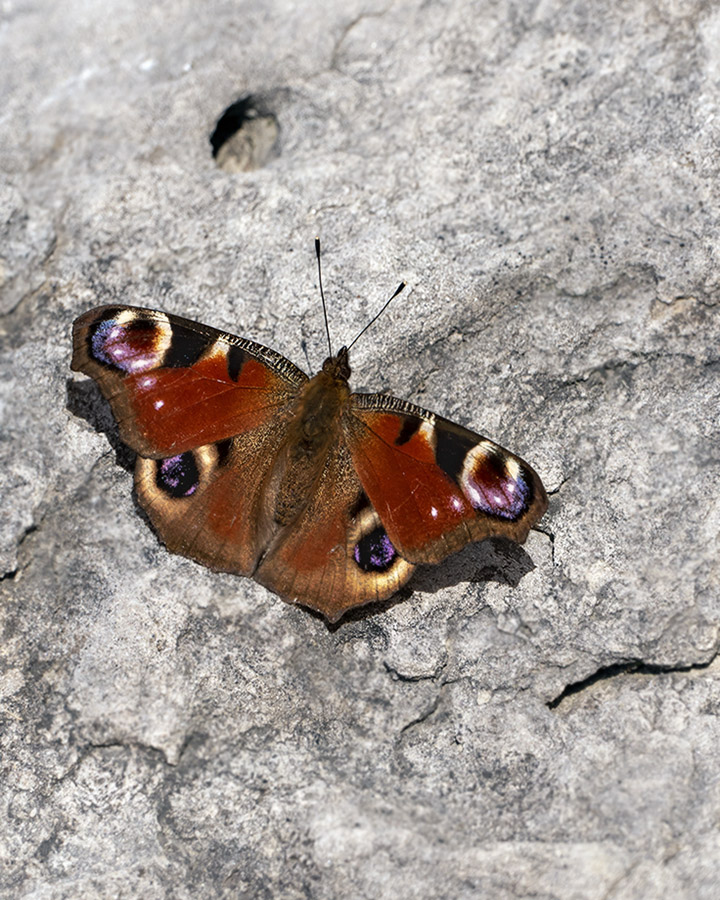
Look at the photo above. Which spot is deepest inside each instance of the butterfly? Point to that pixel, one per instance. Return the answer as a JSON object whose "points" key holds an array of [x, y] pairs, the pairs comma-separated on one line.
{"points": [[327, 497]]}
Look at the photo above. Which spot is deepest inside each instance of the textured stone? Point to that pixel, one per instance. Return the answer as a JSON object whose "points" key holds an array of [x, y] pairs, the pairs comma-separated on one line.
{"points": [[538, 721]]}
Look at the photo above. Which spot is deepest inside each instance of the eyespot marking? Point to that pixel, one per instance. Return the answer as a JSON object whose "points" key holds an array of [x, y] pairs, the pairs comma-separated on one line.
{"points": [[374, 552], [495, 484], [130, 343], [178, 476]]}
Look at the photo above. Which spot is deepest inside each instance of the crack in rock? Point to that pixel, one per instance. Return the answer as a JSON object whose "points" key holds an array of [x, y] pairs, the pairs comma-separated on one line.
{"points": [[431, 710], [11, 574], [628, 667], [396, 675]]}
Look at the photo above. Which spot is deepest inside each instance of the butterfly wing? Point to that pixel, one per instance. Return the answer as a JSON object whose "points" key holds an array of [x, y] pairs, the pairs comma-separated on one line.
{"points": [[336, 555], [173, 384], [435, 485], [206, 412], [208, 503]]}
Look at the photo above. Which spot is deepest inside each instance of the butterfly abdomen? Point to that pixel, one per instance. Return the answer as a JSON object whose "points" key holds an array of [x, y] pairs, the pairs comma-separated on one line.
{"points": [[313, 431]]}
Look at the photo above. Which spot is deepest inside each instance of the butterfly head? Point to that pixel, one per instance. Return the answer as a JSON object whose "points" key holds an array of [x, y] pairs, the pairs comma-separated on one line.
{"points": [[338, 366]]}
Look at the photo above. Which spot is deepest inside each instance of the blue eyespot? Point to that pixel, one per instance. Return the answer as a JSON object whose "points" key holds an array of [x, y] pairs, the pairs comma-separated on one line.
{"points": [[178, 476], [374, 552]]}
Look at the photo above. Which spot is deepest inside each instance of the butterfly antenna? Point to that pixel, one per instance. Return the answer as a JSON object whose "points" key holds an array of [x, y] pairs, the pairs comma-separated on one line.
{"points": [[322, 294], [400, 288]]}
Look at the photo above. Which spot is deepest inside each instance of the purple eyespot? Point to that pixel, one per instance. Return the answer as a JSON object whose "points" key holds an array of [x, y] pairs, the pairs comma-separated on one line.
{"points": [[132, 346], [497, 492], [178, 476], [374, 551]]}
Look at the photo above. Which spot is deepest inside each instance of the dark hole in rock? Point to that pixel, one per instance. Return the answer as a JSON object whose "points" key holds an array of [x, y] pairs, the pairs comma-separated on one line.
{"points": [[245, 136]]}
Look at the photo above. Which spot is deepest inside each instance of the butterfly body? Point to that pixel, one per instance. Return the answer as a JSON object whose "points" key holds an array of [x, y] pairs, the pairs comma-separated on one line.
{"points": [[327, 497], [314, 428]]}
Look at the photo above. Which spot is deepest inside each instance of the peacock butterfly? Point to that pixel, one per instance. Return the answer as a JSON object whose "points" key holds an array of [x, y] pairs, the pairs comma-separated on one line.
{"points": [[326, 497]]}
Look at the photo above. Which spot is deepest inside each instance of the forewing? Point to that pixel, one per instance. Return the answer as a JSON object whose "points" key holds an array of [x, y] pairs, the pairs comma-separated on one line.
{"points": [[173, 384], [435, 485]]}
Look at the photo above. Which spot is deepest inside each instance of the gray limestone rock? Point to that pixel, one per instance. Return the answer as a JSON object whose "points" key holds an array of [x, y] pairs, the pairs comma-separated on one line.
{"points": [[527, 722]]}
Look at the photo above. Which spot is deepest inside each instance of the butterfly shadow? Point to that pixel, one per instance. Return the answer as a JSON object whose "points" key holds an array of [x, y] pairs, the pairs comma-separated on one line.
{"points": [[494, 559], [85, 401]]}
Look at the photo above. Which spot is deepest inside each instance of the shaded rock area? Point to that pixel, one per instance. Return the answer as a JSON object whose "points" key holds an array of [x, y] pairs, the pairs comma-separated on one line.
{"points": [[525, 722]]}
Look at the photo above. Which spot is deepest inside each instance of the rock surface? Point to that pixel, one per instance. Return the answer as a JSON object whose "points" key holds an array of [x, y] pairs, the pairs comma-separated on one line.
{"points": [[537, 721]]}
